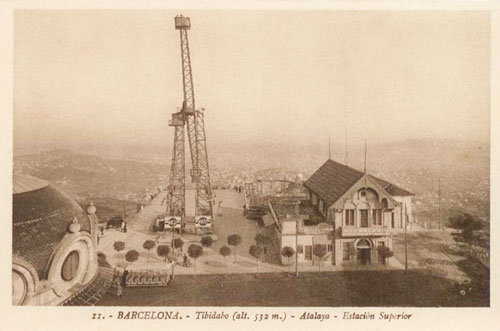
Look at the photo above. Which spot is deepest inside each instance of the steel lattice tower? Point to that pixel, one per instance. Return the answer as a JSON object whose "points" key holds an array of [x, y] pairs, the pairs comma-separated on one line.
{"points": [[193, 119]]}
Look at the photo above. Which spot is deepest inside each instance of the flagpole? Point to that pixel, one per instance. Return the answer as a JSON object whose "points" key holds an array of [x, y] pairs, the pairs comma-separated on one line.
{"points": [[345, 137], [329, 148]]}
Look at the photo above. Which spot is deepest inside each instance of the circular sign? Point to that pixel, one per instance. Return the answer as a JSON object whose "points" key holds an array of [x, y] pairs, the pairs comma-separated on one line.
{"points": [[172, 222], [202, 221]]}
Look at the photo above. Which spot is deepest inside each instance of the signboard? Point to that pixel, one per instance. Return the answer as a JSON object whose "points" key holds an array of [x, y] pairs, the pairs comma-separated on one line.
{"points": [[172, 222], [203, 221]]}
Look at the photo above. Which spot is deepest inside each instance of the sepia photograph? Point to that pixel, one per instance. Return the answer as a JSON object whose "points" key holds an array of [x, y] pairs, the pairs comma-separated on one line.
{"points": [[225, 157]]}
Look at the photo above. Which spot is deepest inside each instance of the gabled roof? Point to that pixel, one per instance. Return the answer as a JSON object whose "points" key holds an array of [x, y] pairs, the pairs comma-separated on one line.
{"points": [[268, 220], [391, 188], [333, 179]]}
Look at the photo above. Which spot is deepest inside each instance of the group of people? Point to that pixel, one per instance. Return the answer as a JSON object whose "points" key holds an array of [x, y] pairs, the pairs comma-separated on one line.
{"points": [[123, 227]]}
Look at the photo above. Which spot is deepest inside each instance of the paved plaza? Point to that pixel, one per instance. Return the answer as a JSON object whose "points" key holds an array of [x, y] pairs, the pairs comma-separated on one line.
{"points": [[231, 221]]}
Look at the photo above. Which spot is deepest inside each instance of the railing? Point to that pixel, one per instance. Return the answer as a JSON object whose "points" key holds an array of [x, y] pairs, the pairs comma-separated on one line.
{"points": [[371, 231]]}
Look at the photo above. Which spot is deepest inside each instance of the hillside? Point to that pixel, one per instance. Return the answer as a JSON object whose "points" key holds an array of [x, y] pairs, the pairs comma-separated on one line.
{"points": [[416, 165]]}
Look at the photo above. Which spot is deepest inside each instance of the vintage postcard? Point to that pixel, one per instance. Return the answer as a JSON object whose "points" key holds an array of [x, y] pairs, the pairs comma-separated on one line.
{"points": [[270, 165]]}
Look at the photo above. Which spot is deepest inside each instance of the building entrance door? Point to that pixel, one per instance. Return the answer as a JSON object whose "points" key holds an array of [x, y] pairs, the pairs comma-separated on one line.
{"points": [[364, 256], [309, 254]]}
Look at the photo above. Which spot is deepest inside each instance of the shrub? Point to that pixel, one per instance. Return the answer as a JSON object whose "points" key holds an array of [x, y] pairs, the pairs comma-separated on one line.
{"points": [[195, 251], [234, 240], [206, 241], [320, 252], [132, 256], [225, 251], [178, 243], [385, 252], [119, 246], [148, 245], [163, 251], [288, 252], [462, 221], [256, 252]]}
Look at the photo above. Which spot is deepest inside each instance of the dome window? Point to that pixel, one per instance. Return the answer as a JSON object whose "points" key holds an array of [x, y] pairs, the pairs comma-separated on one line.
{"points": [[19, 288], [70, 266]]}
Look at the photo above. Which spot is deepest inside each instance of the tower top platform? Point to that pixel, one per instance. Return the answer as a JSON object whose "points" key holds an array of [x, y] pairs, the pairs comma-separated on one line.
{"points": [[182, 22]]}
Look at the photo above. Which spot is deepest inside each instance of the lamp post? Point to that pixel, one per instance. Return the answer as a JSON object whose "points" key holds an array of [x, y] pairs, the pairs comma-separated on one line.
{"points": [[406, 238], [296, 246], [334, 249]]}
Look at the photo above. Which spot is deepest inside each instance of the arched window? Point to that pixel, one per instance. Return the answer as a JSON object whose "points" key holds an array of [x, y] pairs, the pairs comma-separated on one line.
{"points": [[385, 204], [368, 194], [363, 243]]}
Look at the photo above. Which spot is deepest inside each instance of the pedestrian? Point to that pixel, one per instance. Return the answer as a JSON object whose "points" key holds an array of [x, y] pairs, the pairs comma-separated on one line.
{"points": [[185, 261], [117, 286], [124, 277], [125, 227]]}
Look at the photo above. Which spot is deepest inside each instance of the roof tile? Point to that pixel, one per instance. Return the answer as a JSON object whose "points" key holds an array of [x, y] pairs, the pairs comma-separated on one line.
{"points": [[333, 179]]}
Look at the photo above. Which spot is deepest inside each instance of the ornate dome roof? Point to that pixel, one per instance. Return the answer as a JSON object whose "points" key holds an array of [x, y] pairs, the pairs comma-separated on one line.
{"points": [[41, 217], [24, 183]]}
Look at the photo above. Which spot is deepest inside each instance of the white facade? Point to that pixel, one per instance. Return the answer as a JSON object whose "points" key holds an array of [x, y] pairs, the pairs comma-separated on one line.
{"points": [[363, 218]]}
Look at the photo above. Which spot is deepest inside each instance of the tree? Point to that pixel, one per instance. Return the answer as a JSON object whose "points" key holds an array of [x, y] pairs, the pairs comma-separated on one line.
{"points": [[288, 252], [163, 251], [256, 252], [467, 223], [234, 240], [132, 256], [468, 233], [178, 243], [195, 251], [225, 251], [206, 241], [319, 251], [148, 245], [119, 246], [385, 253], [461, 221]]}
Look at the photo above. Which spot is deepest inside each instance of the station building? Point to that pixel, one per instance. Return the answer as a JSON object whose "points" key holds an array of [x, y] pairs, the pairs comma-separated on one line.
{"points": [[348, 211]]}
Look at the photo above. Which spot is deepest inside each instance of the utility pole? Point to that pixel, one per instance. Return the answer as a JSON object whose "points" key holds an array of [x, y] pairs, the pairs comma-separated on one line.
{"points": [[439, 202], [296, 246], [334, 250], [406, 238]]}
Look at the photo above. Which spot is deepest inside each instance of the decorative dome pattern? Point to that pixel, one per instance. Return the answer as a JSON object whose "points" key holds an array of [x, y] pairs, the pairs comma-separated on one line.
{"points": [[41, 218]]}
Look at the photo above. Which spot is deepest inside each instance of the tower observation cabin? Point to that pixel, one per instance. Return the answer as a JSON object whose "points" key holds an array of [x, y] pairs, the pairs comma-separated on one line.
{"points": [[182, 22]]}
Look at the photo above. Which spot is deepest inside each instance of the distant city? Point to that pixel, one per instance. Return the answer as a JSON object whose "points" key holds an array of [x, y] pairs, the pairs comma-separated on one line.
{"points": [[462, 168]]}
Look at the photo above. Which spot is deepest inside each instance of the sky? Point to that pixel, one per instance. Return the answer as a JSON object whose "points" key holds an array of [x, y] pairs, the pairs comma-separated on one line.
{"points": [[295, 77]]}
